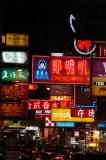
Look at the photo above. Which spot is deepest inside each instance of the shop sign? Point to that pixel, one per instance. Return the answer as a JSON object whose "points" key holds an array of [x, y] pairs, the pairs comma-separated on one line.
{"points": [[65, 124], [42, 112], [83, 112], [85, 106], [48, 122], [99, 76], [60, 70], [103, 50], [15, 57], [14, 75], [63, 115], [48, 104], [13, 109], [99, 86], [14, 91], [18, 40]]}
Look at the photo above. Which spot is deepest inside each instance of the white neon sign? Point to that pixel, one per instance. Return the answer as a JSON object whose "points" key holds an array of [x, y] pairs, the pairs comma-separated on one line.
{"points": [[18, 57]]}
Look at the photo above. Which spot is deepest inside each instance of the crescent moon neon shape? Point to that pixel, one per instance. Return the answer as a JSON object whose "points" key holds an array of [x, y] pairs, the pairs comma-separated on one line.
{"points": [[71, 24], [83, 53]]}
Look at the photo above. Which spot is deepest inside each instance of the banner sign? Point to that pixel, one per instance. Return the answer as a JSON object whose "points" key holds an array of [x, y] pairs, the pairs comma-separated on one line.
{"points": [[14, 75], [63, 115], [20, 40], [12, 109], [60, 70], [48, 104], [14, 91], [99, 76]]}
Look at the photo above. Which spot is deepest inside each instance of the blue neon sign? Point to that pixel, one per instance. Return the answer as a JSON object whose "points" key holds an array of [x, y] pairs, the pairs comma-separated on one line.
{"points": [[65, 124]]}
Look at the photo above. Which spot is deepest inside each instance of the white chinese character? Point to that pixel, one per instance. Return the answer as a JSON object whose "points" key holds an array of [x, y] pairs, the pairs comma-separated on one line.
{"points": [[91, 113], [5, 74], [80, 113]]}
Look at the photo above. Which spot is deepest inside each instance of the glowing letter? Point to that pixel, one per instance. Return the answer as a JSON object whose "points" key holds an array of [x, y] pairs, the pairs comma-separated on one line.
{"points": [[70, 66]]}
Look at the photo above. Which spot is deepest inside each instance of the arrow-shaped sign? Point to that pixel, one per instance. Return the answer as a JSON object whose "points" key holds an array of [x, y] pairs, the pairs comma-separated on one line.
{"points": [[71, 24]]}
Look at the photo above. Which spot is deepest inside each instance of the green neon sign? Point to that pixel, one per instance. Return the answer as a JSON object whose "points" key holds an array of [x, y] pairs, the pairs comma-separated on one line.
{"points": [[14, 75]]}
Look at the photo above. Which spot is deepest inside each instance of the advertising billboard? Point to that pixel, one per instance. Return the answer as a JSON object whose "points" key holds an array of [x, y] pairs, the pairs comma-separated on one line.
{"points": [[99, 76], [15, 57], [60, 70]]}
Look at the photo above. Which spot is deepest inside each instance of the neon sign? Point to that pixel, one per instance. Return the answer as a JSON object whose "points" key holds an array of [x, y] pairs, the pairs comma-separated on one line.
{"points": [[13, 74], [65, 124], [71, 24], [14, 91], [60, 70], [84, 47], [12, 109], [83, 112], [48, 104]]}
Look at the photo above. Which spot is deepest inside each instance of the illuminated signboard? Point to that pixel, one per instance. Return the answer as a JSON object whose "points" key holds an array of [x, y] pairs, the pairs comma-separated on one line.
{"points": [[14, 91], [13, 75], [13, 39], [14, 57], [63, 115], [65, 124], [85, 106], [12, 109], [84, 47], [103, 50], [101, 125], [83, 112], [60, 70], [45, 112], [48, 122], [48, 104], [99, 76]]}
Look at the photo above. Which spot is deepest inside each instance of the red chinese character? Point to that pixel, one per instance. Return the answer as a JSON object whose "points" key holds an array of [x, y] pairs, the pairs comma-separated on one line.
{"points": [[55, 104], [82, 67], [46, 105], [30, 105], [70, 66], [56, 66], [36, 105], [84, 45], [63, 104]]}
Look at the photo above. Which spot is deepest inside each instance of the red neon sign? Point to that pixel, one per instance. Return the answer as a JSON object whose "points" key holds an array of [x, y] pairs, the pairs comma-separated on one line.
{"points": [[48, 104], [12, 109], [60, 70], [84, 45]]}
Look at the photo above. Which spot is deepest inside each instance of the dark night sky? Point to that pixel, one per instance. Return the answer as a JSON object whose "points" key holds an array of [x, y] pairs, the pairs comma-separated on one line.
{"points": [[47, 22]]}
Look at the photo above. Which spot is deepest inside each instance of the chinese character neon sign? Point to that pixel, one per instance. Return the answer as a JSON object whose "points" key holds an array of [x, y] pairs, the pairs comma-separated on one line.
{"points": [[83, 112], [48, 104], [12, 74], [84, 47], [62, 70]]}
